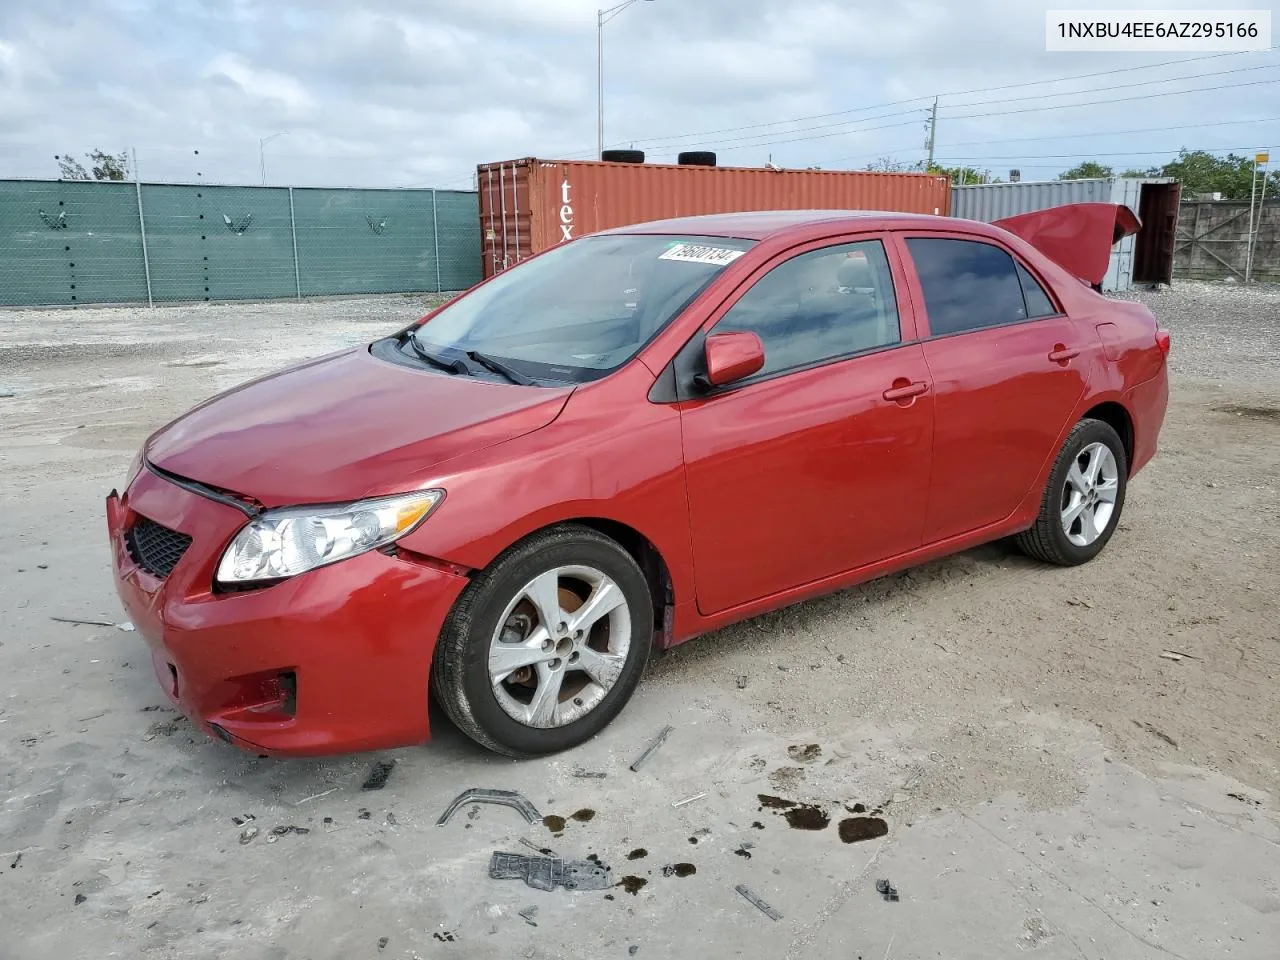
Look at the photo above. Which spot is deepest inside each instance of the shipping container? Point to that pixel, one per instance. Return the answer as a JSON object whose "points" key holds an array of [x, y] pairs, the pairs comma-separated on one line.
{"points": [[1145, 258], [529, 205]]}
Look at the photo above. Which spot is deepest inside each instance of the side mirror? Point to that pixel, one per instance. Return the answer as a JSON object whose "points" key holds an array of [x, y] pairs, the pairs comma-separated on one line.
{"points": [[731, 357]]}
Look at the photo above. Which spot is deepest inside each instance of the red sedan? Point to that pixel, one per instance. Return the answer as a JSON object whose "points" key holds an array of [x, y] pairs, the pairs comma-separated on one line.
{"points": [[627, 441]]}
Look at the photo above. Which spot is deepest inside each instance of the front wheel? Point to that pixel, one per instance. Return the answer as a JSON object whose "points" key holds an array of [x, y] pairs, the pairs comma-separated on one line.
{"points": [[545, 647], [1083, 499]]}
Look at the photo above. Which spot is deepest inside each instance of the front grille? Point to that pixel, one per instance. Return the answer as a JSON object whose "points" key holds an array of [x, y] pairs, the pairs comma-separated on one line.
{"points": [[155, 548]]}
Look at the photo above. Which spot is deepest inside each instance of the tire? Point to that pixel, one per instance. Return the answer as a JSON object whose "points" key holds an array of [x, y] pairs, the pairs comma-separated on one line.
{"points": [[696, 158], [1049, 539], [491, 710], [622, 156]]}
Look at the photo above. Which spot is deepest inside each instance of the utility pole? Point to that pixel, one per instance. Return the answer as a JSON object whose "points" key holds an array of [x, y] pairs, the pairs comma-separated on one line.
{"points": [[603, 17], [933, 130]]}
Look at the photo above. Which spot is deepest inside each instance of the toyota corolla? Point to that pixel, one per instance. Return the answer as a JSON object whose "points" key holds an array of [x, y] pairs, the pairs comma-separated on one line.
{"points": [[624, 442]]}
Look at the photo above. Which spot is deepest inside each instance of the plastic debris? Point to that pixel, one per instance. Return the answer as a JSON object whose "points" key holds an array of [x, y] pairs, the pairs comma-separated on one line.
{"points": [[382, 942], [652, 748], [688, 800], [502, 798], [742, 683], [527, 915], [379, 775], [887, 890], [247, 834], [757, 902], [546, 873]]}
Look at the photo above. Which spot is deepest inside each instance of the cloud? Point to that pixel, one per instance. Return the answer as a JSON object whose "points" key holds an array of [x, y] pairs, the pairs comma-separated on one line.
{"points": [[397, 93]]}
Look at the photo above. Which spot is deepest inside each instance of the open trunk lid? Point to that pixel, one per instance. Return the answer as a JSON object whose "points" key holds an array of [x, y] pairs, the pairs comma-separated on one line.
{"points": [[1076, 236]]}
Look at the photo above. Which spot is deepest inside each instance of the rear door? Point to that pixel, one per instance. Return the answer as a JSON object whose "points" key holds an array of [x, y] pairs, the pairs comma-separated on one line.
{"points": [[1003, 358], [819, 463]]}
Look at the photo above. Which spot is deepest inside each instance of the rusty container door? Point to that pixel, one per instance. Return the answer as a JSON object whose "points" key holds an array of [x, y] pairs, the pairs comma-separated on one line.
{"points": [[529, 205]]}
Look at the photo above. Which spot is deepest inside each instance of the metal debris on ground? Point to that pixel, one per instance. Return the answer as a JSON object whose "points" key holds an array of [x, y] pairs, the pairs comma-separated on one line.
{"points": [[379, 775], [382, 942], [1234, 796], [391, 819], [588, 774], [127, 627], [688, 800], [757, 902], [887, 890], [315, 797], [1178, 655], [247, 834], [649, 750], [633, 949], [244, 818], [501, 798], [527, 915], [742, 683], [80, 898], [540, 851], [16, 860], [83, 623], [546, 873], [278, 832]]}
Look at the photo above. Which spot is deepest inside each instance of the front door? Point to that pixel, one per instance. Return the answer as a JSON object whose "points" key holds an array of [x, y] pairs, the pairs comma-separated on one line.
{"points": [[819, 463]]}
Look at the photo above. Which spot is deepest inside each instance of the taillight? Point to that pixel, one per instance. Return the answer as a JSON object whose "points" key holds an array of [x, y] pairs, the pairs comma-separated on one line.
{"points": [[1163, 342]]}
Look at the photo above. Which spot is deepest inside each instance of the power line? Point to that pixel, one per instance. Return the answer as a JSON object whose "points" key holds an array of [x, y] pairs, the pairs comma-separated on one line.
{"points": [[658, 141], [1090, 103], [738, 143]]}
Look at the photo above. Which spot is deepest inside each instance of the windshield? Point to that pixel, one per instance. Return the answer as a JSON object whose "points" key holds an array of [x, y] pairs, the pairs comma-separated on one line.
{"points": [[582, 310]]}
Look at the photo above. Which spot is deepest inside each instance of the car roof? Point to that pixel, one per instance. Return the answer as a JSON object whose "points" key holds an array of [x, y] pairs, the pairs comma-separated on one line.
{"points": [[760, 224]]}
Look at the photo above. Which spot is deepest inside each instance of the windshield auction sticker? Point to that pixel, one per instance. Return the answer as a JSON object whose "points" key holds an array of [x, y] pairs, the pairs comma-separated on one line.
{"points": [[698, 253], [1150, 31]]}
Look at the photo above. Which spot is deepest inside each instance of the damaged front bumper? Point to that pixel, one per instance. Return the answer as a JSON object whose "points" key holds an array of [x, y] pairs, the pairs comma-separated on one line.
{"points": [[336, 660]]}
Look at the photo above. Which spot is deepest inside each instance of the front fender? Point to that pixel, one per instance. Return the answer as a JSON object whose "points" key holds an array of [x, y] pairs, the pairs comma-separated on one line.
{"points": [[610, 455]]}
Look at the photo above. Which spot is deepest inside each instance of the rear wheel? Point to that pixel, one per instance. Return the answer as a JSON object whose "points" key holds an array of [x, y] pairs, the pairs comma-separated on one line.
{"points": [[1083, 499], [545, 647]]}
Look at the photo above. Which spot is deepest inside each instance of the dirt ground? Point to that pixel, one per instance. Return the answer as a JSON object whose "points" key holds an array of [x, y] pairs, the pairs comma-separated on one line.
{"points": [[1050, 783]]}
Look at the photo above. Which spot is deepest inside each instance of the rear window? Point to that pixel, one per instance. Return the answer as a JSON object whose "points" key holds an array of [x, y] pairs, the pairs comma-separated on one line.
{"points": [[968, 285]]}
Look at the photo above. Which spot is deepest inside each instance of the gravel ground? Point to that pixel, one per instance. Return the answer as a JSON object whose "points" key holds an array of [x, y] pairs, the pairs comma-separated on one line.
{"points": [[1049, 781]]}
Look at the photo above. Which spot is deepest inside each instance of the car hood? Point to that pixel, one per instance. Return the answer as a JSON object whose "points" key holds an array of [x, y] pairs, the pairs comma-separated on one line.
{"points": [[344, 427]]}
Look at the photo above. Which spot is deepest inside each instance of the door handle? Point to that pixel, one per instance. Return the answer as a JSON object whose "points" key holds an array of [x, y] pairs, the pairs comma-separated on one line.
{"points": [[1063, 354], [904, 390]]}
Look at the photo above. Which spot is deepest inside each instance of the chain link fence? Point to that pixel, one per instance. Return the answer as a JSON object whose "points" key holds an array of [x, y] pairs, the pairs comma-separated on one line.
{"points": [[68, 242]]}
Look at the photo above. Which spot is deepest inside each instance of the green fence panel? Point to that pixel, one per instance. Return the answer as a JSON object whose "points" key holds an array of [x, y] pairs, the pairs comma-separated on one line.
{"points": [[218, 243], [458, 224], [78, 242], [68, 243], [364, 241]]}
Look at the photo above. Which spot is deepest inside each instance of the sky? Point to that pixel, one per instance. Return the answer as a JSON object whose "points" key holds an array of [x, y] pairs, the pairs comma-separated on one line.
{"points": [[416, 93]]}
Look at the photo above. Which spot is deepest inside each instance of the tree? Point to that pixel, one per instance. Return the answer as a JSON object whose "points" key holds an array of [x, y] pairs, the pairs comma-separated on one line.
{"points": [[961, 175], [886, 165], [1201, 172], [105, 166], [1089, 170]]}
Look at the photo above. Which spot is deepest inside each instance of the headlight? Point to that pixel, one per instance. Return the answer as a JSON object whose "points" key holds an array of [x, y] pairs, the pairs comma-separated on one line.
{"points": [[285, 543]]}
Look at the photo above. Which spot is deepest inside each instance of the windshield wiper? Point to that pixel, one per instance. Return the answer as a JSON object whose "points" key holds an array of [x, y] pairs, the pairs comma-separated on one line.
{"points": [[453, 366], [500, 368]]}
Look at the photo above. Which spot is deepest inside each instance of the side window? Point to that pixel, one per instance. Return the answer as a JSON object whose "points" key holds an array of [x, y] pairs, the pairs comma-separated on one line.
{"points": [[819, 305], [968, 285], [1038, 302]]}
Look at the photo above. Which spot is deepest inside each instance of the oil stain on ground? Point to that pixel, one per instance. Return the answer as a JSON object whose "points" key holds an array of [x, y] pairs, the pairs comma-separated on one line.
{"points": [[800, 816], [856, 829], [679, 870], [638, 854], [554, 824], [633, 885], [805, 753], [584, 816]]}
